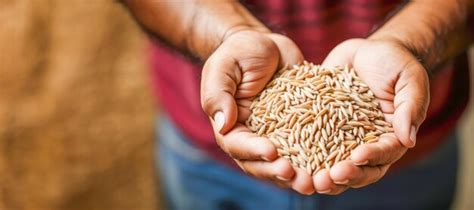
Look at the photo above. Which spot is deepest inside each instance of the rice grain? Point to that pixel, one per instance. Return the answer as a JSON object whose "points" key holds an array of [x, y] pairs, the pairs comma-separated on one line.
{"points": [[316, 116]]}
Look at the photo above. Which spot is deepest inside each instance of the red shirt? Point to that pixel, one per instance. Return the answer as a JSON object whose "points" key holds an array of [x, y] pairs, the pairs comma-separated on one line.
{"points": [[316, 26]]}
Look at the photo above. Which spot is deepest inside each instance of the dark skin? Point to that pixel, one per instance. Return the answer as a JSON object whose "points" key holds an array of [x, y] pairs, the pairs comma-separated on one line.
{"points": [[241, 55], [198, 27]]}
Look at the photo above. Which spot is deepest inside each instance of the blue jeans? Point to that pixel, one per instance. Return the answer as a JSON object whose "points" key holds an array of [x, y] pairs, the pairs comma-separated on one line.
{"points": [[192, 181]]}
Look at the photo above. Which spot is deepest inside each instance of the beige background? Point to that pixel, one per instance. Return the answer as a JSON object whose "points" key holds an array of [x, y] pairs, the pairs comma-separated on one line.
{"points": [[76, 116], [465, 193]]}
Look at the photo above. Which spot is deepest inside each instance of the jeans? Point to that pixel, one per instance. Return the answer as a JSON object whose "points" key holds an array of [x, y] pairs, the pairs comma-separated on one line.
{"points": [[191, 180]]}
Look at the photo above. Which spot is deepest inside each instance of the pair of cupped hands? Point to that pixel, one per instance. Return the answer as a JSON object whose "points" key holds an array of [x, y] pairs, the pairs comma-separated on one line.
{"points": [[245, 62]]}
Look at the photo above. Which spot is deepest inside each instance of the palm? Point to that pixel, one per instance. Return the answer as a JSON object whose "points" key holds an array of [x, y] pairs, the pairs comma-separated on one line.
{"points": [[400, 83], [380, 72], [234, 74], [380, 66]]}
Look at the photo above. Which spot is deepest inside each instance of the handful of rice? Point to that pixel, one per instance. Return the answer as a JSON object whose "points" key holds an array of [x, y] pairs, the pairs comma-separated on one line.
{"points": [[317, 116]]}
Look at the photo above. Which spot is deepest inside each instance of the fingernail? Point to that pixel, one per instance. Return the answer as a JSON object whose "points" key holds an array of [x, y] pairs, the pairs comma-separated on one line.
{"points": [[362, 163], [342, 182], [282, 179], [413, 134], [324, 191], [219, 120]]}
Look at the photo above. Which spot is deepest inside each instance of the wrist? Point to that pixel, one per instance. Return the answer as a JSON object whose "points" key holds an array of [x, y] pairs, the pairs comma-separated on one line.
{"points": [[210, 26], [431, 37], [242, 28], [214, 42], [409, 31], [408, 44]]}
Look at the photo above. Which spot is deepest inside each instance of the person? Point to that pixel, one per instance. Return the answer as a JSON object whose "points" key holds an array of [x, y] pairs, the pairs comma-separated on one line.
{"points": [[408, 59]]}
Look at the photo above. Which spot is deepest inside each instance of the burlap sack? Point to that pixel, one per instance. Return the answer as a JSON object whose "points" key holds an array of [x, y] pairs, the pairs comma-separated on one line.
{"points": [[76, 117]]}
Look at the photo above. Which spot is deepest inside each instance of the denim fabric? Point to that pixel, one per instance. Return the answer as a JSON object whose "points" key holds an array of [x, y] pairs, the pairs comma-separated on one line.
{"points": [[193, 181]]}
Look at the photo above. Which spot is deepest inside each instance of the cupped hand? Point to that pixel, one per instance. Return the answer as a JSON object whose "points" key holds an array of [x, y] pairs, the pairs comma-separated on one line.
{"points": [[233, 75], [401, 85]]}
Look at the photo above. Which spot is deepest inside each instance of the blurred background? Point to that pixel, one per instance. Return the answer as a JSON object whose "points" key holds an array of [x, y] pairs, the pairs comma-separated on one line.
{"points": [[76, 118], [76, 115]]}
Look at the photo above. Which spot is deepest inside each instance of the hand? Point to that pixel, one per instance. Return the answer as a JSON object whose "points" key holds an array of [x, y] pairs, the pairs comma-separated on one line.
{"points": [[400, 84], [232, 76]]}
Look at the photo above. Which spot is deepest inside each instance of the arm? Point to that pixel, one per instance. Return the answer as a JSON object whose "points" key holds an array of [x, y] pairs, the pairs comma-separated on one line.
{"points": [[433, 30], [241, 57], [197, 26], [423, 35]]}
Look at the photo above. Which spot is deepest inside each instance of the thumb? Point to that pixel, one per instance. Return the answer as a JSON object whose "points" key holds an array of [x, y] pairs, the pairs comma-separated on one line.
{"points": [[220, 78], [342, 54], [289, 52], [411, 103]]}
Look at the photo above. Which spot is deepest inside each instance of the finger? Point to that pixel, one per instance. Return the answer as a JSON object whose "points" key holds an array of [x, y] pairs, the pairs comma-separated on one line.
{"points": [[302, 182], [386, 151], [325, 185], [411, 102], [342, 55], [244, 109], [289, 52], [279, 181], [338, 189], [279, 170], [220, 78], [386, 106], [345, 172], [389, 118], [240, 143]]}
